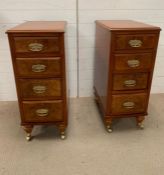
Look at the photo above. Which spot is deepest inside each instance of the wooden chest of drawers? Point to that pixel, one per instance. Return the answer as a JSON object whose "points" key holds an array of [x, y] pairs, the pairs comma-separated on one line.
{"points": [[38, 57], [124, 62]]}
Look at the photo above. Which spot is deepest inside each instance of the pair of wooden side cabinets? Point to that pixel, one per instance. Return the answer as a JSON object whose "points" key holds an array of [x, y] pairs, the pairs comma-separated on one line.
{"points": [[124, 61]]}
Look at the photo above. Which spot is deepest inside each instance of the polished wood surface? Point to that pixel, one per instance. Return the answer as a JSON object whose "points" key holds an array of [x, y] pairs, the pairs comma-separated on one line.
{"points": [[38, 56], [142, 62], [124, 25], [40, 67], [129, 82], [124, 62], [138, 100], [123, 41], [54, 111], [49, 44], [39, 26], [101, 64], [40, 88]]}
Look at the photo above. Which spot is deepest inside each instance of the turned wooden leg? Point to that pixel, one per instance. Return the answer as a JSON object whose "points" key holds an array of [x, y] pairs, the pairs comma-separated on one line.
{"points": [[28, 130], [140, 120], [62, 132], [108, 124]]}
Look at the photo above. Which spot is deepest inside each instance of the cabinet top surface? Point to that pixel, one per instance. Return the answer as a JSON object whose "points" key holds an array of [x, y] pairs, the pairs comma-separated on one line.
{"points": [[39, 26], [125, 25]]}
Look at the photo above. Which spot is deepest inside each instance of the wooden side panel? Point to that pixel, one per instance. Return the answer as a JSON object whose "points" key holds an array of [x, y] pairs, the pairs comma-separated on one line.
{"points": [[102, 64]]}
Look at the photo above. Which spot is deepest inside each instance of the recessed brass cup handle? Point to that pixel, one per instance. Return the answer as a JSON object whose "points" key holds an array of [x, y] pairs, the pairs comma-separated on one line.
{"points": [[42, 112], [35, 47], [130, 83], [133, 63], [135, 43], [128, 105], [38, 68], [39, 89]]}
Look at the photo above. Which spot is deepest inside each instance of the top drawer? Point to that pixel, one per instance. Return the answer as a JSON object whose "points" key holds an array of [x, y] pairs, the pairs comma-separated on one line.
{"points": [[135, 41], [38, 46]]}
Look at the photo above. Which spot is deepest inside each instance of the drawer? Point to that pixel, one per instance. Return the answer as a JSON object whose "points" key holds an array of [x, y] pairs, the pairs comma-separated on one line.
{"points": [[33, 46], [135, 41], [130, 81], [40, 88], [128, 104], [39, 67], [42, 111], [123, 62]]}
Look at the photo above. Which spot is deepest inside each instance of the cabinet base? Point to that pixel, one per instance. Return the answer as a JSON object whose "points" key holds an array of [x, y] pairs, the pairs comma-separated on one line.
{"points": [[28, 129], [108, 120]]}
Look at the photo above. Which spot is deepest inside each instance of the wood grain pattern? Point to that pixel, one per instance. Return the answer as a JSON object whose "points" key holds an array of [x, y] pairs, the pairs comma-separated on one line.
{"points": [[123, 25], [39, 26], [52, 67], [49, 45], [122, 41], [38, 57], [118, 101], [145, 61], [55, 111], [138, 81], [126, 62], [40, 88]]}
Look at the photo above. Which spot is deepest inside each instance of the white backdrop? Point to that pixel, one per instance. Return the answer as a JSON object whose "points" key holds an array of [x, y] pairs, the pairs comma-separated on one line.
{"points": [[13, 12]]}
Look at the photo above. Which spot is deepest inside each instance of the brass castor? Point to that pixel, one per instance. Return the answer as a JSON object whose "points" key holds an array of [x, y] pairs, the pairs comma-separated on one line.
{"points": [[141, 125], [62, 135], [109, 129], [28, 137]]}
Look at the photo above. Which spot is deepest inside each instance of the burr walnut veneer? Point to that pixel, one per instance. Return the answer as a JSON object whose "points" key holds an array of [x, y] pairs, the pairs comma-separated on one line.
{"points": [[38, 56], [124, 63]]}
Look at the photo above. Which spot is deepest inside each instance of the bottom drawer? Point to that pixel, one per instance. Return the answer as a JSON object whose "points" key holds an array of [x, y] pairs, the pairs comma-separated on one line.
{"points": [[43, 111], [129, 103]]}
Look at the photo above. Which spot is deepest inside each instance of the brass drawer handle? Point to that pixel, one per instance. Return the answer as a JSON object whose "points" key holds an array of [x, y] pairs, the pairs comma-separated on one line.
{"points": [[133, 63], [39, 89], [38, 68], [35, 47], [129, 105], [130, 83], [135, 43], [42, 112]]}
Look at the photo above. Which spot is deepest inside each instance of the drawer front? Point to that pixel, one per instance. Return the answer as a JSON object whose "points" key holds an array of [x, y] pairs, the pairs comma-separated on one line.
{"points": [[37, 45], [134, 42], [40, 88], [127, 81], [128, 104], [42, 111], [39, 67], [125, 62]]}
